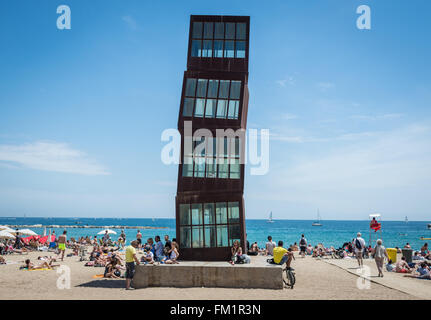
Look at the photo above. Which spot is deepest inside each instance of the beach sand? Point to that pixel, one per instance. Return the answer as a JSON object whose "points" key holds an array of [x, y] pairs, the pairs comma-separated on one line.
{"points": [[314, 280]]}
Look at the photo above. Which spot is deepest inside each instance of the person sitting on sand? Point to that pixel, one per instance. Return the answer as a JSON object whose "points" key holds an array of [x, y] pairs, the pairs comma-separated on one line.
{"points": [[2, 260], [309, 250], [417, 256], [402, 266], [173, 254], [112, 268], [423, 272], [425, 252]]}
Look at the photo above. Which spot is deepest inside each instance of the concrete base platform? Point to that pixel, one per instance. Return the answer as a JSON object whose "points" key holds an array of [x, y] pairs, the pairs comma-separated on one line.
{"points": [[257, 274]]}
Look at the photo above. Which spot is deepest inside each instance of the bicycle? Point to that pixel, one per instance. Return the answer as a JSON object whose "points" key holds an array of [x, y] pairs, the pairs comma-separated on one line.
{"points": [[289, 277]]}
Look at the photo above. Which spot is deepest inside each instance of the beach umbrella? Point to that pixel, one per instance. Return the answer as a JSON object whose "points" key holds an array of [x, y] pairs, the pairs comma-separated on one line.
{"points": [[6, 235], [27, 232], [109, 231], [45, 238], [7, 229]]}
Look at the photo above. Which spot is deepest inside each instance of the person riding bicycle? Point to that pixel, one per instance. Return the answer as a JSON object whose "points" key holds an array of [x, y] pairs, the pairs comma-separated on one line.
{"points": [[282, 255]]}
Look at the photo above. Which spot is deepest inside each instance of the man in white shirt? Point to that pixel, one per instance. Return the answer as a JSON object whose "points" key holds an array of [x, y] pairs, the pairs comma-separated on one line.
{"points": [[269, 246], [359, 245]]}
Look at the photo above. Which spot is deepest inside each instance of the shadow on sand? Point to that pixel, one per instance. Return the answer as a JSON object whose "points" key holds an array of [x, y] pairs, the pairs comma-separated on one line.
{"points": [[104, 283]]}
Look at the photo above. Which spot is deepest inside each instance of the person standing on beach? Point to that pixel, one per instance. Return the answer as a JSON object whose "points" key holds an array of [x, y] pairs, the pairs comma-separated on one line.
{"points": [[130, 263], [269, 246], [123, 236], [62, 244], [158, 249], [303, 246], [379, 256], [139, 238], [18, 241], [359, 245]]}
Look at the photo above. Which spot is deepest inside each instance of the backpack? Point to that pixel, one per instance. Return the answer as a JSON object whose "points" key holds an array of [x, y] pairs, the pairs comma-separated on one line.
{"points": [[302, 242], [358, 244]]}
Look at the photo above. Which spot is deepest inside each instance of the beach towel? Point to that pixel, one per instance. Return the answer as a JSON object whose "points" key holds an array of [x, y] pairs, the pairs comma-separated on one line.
{"points": [[98, 276]]}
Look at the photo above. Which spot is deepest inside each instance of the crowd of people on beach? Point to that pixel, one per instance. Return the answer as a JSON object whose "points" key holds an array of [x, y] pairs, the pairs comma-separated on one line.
{"points": [[116, 257]]}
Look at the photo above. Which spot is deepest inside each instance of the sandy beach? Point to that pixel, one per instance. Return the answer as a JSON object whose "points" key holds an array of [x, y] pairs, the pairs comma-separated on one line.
{"points": [[316, 279]]}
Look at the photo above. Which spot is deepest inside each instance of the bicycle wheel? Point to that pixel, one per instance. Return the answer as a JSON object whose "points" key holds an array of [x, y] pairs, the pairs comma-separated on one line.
{"points": [[289, 278]]}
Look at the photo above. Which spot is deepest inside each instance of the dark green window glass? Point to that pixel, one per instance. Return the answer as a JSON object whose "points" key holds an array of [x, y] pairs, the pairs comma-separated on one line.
{"points": [[210, 236], [208, 30], [234, 169], [210, 108], [235, 89], [240, 49], [188, 107], [191, 87], [207, 51], [196, 48], [209, 213], [219, 30], [224, 89], [196, 213], [211, 168], [240, 31], [229, 51], [233, 109], [218, 48], [212, 88], [197, 237], [184, 214], [202, 88], [233, 212], [185, 235], [188, 170], [221, 109], [223, 170], [234, 233], [221, 212], [230, 30], [222, 236], [197, 30], [199, 167], [199, 110]]}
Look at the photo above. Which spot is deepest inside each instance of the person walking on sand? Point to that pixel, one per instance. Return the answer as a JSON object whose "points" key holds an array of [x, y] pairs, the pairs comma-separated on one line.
{"points": [[62, 244], [359, 245], [380, 253], [130, 263]]}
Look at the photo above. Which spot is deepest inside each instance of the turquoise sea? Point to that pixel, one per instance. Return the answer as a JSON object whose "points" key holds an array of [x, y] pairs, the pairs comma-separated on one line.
{"points": [[332, 233]]}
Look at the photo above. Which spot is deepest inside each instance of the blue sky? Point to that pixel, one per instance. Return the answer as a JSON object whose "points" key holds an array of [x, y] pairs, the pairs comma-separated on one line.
{"points": [[82, 110]]}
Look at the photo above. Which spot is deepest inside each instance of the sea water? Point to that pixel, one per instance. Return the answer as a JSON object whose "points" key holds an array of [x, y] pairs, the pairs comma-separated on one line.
{"points": [[331, 233]]}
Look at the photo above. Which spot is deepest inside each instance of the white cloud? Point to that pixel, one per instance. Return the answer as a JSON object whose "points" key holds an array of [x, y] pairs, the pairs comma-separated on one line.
{"points": [[289, 116], [385, 171], [50, 156], [325, 86], [288, 81], [131, 22], [376, 117]]}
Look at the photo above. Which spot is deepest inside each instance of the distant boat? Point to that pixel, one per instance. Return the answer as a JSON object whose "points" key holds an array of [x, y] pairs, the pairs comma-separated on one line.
{"points": [[270, 218], [429, 226], [317, 223], [406, 220]]}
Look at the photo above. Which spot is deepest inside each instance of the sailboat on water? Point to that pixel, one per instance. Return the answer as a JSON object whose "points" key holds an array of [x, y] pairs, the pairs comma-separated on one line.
{"points": [[317, 223], [406, 220], [270, 218]]}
